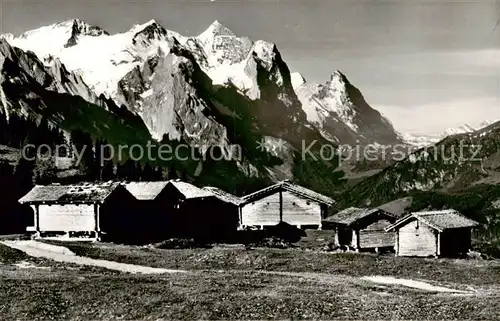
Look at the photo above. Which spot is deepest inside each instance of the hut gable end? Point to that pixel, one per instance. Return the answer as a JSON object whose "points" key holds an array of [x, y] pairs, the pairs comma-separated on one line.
{"points": [[264, 211], [146, 191], [417, 239], [292, 188]]}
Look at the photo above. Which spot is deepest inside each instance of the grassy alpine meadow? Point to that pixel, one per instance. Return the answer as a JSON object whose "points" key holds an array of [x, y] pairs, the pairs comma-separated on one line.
{"points": [[231, 282], [229, 257], [83, 295]]}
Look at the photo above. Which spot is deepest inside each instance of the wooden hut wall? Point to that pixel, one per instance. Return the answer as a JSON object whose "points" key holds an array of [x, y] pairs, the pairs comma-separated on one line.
{"points": [[417, 239]]}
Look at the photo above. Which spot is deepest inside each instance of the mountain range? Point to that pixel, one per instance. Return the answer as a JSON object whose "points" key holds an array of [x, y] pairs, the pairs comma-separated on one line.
{"points": [[212, 90], [122, 67], [217, 91], [427, 140]]}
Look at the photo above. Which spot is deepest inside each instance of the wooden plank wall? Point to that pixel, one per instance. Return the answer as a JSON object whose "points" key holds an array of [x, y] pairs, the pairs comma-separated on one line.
{"points": [[374, 235], [70, 217], [417, 242], [300, 211], [296, 211], [265, 211]]}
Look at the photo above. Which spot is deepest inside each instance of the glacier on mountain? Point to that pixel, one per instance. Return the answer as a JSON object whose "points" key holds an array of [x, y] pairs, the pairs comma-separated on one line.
{"points": [[113, 65]]}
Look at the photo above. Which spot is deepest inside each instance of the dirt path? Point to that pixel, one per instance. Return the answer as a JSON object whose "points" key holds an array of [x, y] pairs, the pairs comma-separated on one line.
{"points": [[63, 254], [411, 284], [386, 280]]}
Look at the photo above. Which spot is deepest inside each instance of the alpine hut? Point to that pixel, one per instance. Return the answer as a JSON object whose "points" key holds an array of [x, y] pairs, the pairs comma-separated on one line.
{"points": [[433, 233], [155, 207], [284, 202], [84, 210], [362, 228], [198, 212]]}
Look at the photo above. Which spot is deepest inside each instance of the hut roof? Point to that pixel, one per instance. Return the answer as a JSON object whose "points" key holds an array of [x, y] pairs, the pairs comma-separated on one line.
{"points": [[352, 215], [189, 190], [291, 187], [81, 193], [439, 220], [146, 190], [223, 195]]}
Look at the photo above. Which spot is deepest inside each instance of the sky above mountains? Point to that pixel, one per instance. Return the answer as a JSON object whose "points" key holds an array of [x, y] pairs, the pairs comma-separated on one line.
{"points": [[427, 65]]}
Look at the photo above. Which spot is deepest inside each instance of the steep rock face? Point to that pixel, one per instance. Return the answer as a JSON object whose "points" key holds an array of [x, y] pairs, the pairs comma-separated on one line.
{"points": [[81, 28], [276, 112], [51, 75], [32, 90], [214, 89], [34, 94], [340, 111], [174, 108], [119, 66]]}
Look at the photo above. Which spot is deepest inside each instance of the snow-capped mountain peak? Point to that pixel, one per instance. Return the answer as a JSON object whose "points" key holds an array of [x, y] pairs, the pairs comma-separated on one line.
{"points": [[337, 79], [465, 128], [121, 66], [81, 28], [141, 26], [100, 58], [7, 36], [225, 57], [340, 112], [426, 140], [215, 29], [72, 27]]}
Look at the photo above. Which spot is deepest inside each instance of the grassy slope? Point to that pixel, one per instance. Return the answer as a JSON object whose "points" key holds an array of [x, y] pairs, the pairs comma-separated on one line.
{"points": [[296, 260], [246, 293], [212, 295]]}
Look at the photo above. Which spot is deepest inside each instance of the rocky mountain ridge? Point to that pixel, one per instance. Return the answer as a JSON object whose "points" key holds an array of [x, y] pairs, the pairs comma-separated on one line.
{"points": [[456, 163], [111, 64]]}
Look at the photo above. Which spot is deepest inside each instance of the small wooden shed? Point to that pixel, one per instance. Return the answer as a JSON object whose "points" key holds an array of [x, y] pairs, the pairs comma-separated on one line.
{"points": [[362, 228], [433, 233], [198, 212], [155, 207], [227, 208], [84, 210], [284, 202]]}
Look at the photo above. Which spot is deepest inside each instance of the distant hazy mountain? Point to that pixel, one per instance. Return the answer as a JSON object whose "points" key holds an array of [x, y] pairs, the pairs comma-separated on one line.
{"points": [[426, 140]]}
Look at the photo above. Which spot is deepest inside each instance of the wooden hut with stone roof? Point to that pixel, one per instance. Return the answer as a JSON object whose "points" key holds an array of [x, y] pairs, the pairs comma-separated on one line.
{"points": [[362, 228], [85, 210], [445, 233]]}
